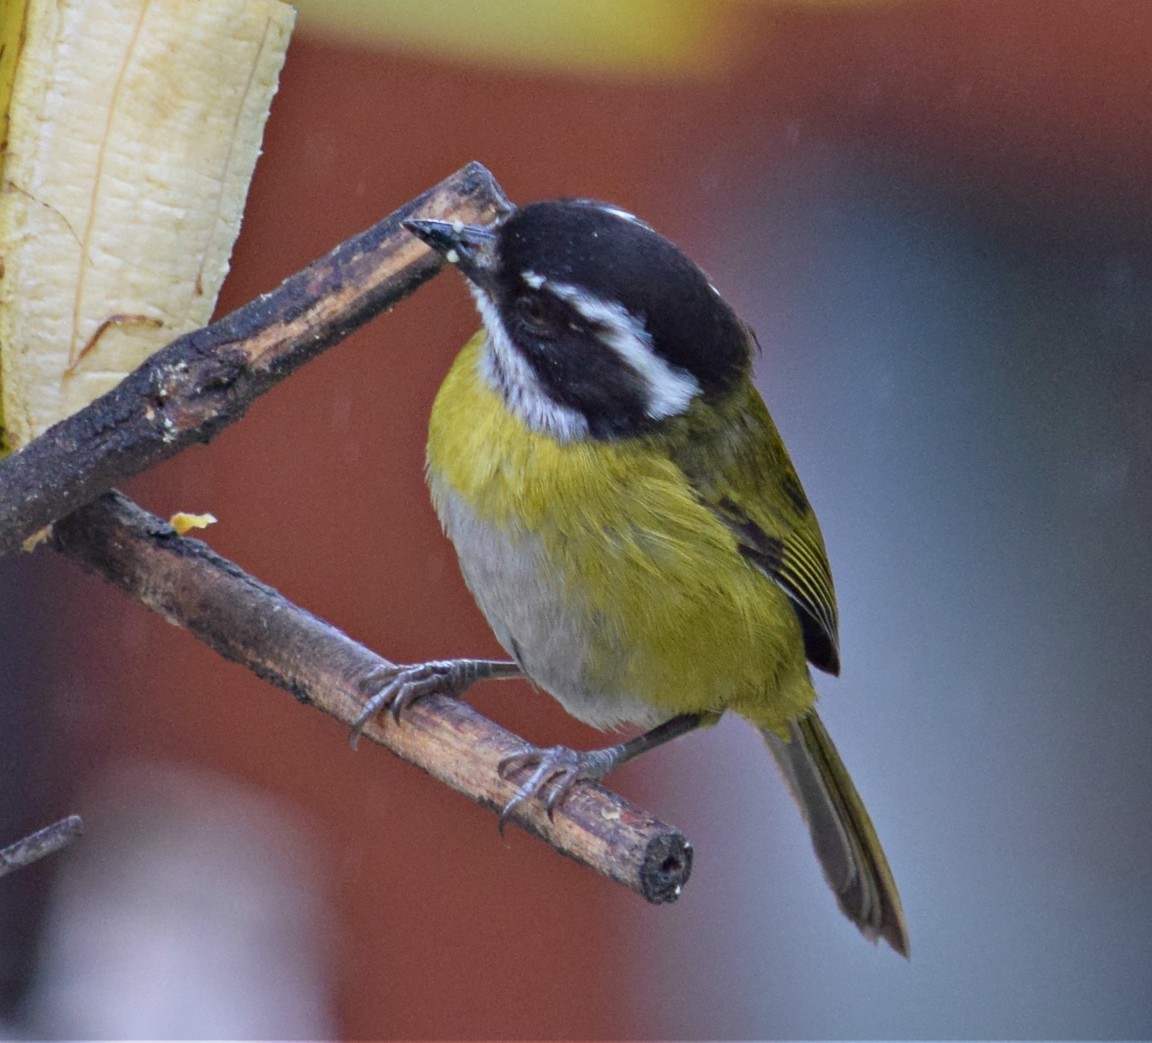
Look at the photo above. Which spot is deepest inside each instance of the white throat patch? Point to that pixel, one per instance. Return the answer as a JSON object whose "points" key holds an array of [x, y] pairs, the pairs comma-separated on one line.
{"points": [[508, 373]]}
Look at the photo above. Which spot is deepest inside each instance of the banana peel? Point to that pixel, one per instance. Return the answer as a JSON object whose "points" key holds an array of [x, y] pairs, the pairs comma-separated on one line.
{"points": [[132, 131]]}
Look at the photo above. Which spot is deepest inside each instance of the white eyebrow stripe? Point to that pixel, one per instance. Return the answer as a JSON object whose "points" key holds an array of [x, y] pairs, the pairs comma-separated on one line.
{"points": [[533, 279], [670, 388]]}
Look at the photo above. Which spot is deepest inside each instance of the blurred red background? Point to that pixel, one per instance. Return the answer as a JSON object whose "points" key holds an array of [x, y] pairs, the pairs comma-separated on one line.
{"points": [[1031, 122]]}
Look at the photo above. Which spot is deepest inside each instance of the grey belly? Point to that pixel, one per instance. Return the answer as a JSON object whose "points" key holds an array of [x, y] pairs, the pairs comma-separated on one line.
{"points": [[539, 623]]}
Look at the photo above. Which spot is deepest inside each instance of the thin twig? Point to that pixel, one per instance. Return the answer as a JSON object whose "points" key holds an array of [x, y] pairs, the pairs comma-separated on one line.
{"points": [[43, 842], [188, 392], [199, 384], [248, 622]]}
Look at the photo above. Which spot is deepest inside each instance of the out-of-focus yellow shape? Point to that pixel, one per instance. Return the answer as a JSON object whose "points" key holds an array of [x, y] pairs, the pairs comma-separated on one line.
{"points": [[634, 38], [637, 39], [134, 128], [184, 523]]}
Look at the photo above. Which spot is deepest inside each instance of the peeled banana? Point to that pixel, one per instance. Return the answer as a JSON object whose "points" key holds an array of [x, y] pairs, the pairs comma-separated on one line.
{"points": [[132, 131]]}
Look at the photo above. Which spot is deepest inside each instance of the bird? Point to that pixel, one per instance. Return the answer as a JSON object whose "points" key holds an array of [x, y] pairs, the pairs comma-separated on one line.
{"points": [[627, 518]]}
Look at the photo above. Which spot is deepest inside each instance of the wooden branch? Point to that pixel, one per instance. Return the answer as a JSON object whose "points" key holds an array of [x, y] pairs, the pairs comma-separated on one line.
{"points": [[46, 841], [201, 383], [250, 623]]}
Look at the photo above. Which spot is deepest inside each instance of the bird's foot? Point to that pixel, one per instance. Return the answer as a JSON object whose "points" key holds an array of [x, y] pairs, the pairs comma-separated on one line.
{"points": [[394, 688], [557, 770]]}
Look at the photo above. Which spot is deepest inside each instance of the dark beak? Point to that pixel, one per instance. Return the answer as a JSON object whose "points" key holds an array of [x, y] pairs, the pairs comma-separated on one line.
{"points": [[472, 248]]}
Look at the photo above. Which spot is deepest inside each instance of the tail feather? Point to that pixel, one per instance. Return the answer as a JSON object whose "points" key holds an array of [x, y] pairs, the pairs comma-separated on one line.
{"points": [[842, 833]]}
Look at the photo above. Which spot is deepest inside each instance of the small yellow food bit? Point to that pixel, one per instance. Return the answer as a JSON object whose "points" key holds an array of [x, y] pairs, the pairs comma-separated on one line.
{"points": [[184, 523]]}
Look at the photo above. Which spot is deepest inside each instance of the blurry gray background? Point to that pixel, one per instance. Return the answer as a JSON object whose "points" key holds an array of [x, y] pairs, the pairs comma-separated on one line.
{"points": [[938, 217], [970, 407]]}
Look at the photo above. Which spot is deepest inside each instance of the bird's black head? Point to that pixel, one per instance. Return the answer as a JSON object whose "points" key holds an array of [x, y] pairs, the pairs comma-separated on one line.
{"points": [[597, 325]]}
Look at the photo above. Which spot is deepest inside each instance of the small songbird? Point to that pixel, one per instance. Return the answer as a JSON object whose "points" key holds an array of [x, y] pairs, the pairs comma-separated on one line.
{"points": [[629, 521]]}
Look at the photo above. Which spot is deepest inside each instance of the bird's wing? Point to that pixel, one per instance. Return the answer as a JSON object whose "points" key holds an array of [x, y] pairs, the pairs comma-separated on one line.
{"points": [[796, 560], [740, 469]]}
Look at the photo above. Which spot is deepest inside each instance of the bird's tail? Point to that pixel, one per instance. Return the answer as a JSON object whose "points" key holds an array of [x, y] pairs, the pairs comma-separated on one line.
{"points": [[842, 833]]}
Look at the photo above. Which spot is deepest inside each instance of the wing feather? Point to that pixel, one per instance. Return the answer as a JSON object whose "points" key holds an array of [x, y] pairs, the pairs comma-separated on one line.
{"points": [[739, 468]]}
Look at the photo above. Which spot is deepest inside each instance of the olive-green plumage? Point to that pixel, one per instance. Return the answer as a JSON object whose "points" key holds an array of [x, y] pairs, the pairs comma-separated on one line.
{"points": [[628, 520], [633, 558], [637, 571]]}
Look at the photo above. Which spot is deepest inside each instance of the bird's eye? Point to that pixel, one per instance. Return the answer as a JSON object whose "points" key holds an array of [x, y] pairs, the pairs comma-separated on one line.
{"points": [[533, 313]]}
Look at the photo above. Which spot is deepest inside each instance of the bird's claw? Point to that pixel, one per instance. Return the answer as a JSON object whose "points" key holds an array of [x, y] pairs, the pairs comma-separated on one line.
{"points": [[404, 685], [557, 770]]}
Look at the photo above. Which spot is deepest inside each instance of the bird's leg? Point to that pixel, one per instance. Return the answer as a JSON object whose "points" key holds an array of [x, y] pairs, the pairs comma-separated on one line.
{"points": [[559, 768], [395, 687]]}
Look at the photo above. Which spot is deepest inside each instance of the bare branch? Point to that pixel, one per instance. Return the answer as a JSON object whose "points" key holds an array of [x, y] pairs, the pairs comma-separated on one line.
{"points": [[203, 382], [250, 623], [46, 841], [199, 384]]}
